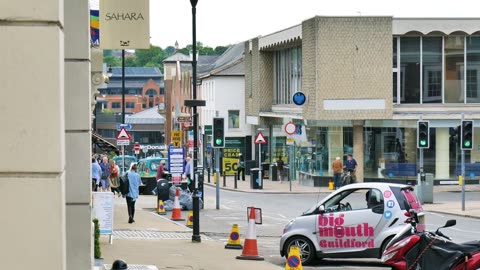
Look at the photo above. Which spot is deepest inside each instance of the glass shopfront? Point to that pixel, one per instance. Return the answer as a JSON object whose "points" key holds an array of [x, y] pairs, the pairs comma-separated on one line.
{"points": [[390, 151]]}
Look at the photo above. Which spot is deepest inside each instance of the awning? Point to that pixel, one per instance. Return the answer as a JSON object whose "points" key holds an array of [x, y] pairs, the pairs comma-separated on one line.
{"points": [[103, 144]]}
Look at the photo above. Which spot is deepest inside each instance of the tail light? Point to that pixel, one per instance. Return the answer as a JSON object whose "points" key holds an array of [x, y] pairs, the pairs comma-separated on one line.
{"points": [[407, 214], [146, 171]]}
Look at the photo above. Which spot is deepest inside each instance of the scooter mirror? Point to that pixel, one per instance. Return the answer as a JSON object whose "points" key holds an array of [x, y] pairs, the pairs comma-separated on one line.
{"points": [[450, 223]]}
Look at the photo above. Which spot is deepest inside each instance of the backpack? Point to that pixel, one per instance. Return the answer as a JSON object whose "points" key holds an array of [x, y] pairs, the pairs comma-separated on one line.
{"points": [[124, 184]]}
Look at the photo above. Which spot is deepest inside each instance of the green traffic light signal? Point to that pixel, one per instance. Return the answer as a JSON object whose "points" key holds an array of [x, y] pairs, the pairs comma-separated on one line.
{"points": [[218, 142], [423, 142], [467, 143]]}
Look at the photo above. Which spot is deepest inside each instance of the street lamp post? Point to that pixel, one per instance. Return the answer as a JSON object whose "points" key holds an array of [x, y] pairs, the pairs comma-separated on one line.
{"points": [[196, 204]]}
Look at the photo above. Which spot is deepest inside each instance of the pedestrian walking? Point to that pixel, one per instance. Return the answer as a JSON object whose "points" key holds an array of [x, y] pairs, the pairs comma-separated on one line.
{"points": [[161, 174], [351, 165], [337, 172], [280, 164], [96, 174], [241, 167], [188, 172], [134, 182], [105, 174], [114, 177]]}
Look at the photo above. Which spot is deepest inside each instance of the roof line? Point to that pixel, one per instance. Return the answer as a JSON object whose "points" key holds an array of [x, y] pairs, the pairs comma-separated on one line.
{"points": [[222, 68]]}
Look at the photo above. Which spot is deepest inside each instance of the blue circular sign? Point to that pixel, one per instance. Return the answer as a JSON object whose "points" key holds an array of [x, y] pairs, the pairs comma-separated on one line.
{"points": [[234, 236], [390, 203], [293, 261], [388, 214], [299, 98]]}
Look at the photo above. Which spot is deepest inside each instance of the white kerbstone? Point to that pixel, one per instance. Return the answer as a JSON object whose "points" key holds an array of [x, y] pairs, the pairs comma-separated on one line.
{"points": [[78, 96], [32, 99]]}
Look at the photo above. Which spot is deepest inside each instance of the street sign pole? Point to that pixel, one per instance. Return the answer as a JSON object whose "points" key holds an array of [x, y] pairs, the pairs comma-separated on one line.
{"points": [[463, 169], [217, 176], [123, 158], [259, 164]]}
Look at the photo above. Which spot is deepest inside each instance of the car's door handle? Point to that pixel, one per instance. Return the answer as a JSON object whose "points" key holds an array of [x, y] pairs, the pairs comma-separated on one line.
{"points": [[314, 232]]}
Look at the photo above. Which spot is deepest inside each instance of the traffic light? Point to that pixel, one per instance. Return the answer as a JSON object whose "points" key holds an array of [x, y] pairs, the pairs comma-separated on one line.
{"points": [[218, 133], [423, 134], [466, 136]]}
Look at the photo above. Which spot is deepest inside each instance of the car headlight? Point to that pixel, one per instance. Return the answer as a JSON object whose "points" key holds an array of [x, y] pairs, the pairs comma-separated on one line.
{"points": [[288, 226]]}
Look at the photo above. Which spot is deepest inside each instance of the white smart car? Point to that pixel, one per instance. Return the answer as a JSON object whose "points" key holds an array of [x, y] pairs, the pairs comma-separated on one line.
{"points": [[355, 221]]}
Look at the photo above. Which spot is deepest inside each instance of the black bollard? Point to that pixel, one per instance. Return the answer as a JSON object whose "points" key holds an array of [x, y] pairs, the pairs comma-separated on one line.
{"points": [[235, 180], [208, 173], [224, 179], [119, 265]]}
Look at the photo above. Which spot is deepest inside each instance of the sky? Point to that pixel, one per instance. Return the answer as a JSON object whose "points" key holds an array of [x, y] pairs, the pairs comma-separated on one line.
{"points": [[224, 22]]}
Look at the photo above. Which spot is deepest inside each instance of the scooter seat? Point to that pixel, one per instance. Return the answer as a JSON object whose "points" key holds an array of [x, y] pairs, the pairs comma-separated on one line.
{"points": [[468, 247]]}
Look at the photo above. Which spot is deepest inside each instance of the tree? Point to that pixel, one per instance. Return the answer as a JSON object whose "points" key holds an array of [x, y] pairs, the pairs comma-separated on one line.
{"points": [[169, 50], [112, 61], [219, 50]]}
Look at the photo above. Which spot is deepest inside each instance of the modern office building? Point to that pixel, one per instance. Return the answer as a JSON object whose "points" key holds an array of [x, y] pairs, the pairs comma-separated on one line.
{"points": [[367, 80]]}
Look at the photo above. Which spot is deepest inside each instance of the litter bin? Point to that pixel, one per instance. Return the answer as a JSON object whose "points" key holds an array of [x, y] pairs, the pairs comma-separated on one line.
{"points": [[265, 170], [427, 188], [255, 182], [249, 164], [162, 190], [273, 172]]}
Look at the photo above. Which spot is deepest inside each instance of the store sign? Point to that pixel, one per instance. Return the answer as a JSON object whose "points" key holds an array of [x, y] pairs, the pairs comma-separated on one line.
{"points": [[231, 153], [124, 24]]}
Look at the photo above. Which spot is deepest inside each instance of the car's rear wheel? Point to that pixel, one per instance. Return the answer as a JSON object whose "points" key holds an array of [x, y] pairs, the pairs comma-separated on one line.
{"points": [[307, 249]]}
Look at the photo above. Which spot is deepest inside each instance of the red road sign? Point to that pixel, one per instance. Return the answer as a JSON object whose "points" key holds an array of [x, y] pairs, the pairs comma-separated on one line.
{"points": [[123, 135], [260, 139], [136, 147]]}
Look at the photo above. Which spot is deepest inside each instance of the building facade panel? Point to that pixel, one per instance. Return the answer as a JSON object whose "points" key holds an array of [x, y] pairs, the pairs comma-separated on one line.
{"points": [[353, 61]]}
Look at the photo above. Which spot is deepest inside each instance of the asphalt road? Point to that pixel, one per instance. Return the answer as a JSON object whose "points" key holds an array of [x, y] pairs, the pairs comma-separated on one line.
{"points": [[278, 209]]}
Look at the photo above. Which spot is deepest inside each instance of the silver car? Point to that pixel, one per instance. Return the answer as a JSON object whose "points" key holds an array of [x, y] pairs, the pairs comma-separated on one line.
{"points": [[355, 221]]}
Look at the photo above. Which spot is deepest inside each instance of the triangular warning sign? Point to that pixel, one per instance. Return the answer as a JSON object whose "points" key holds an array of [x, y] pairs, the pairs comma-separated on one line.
{"points": [[260, 139], [123, 135]]}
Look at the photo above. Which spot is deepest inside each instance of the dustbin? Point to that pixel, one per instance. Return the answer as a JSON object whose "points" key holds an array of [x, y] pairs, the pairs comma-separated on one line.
{"points": [[273, 172], [249, 164], [427, 188], [162, 190], [265, 170], [255, 182]]}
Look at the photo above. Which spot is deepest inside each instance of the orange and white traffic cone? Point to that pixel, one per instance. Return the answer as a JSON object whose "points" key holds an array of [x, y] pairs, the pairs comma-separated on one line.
{"points": [[190, 219], [177, 210], [250, 250], [234, 239], [161, 208]]}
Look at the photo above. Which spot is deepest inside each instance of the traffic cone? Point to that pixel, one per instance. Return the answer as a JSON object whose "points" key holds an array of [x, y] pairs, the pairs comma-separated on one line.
{"points": [[234, 239], [161, 208], [177, 211], [294, 261], [250, 251], [190, 219]]}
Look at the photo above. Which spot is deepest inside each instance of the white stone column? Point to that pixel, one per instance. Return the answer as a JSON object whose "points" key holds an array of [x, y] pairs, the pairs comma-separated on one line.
{"points": [[335, 146], [442, 150], [358, 145], [78, 135], [32, 163]]}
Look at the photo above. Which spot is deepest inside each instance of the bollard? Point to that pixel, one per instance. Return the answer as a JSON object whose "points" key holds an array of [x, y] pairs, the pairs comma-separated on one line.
{"points": [[208, 170], [119, 265], [224, 179], [235, 175]]}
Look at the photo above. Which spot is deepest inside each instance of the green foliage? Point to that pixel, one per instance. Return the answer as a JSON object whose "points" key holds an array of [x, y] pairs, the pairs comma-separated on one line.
{"points": [[96, 249], [112, 61], [108, 111], [155, 56]]}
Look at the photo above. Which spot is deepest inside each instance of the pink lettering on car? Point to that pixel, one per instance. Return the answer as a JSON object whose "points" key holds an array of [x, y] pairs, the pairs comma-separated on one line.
{"points": [[331, 226]]}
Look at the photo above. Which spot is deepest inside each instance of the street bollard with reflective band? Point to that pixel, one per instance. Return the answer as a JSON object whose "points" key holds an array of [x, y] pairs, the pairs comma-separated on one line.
{"points": [[224, 179], [235, 183]]}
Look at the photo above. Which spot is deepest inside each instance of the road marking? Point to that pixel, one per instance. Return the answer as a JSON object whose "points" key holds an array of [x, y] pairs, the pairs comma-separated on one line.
{"points": [[436, 214]]}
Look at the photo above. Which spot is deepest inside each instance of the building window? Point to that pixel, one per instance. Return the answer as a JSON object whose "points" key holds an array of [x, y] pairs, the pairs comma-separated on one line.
{"points": [[472, 84], [473, 69], [162, 91], [150, 104], [233, 119], [151, 93], [410, 69], [130, 105], [115, 105], [144, 106], [432, 69], [454, 69], [287, 76]]}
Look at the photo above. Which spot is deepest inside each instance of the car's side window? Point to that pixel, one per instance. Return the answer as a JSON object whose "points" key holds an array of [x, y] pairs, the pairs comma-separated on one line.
{"points": [[374, 200]]}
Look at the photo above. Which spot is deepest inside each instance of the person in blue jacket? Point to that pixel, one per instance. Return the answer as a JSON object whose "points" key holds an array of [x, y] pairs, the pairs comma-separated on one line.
{"points": [[134, 181]]}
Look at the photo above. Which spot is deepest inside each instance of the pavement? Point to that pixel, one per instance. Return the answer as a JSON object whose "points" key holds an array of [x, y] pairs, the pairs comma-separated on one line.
{"points": [[157, 242]]}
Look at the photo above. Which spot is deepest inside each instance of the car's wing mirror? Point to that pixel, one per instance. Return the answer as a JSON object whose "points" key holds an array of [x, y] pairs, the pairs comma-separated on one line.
{"points": [[321, 209]]}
